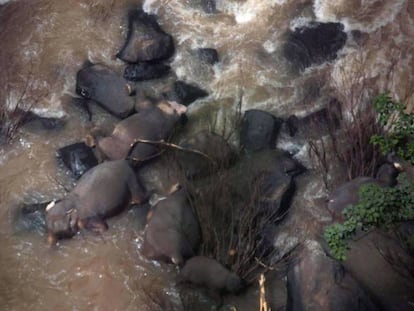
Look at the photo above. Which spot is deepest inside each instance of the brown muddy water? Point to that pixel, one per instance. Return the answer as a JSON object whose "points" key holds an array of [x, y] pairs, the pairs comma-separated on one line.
{"points": [[45, 42]]}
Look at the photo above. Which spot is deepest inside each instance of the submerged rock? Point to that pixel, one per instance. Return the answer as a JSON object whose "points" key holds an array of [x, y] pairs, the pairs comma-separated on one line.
{"points": [[145, 41], [78, 158], [259, 130], [107, 88], [315, 44], [185, 93], [208, 55], [30, 218], [146, 71]]}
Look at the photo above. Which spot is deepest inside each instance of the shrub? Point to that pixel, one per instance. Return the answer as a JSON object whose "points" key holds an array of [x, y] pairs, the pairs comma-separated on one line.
{"points": [[379, 207], [399, 127]]}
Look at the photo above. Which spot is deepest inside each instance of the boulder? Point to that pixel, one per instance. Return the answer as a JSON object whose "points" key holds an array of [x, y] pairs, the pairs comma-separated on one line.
{"points": [[259, 130], [145, 41], [207, 55], [145, 71], [317, 283], [185, 93], [78, 158], [30, 218], [107, 88], [314, 44]]}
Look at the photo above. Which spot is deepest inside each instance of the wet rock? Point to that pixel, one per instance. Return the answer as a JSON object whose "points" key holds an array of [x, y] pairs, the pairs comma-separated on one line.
{"points": [[383, 267], [172, 232], [185, 93], [78, 158], [145, 41], [208, 6], [315, 44], [217, 150], [316, 282], [259, 130], [30, 218], [208, 55], [315, 124], [107, 88], [146, 71]]}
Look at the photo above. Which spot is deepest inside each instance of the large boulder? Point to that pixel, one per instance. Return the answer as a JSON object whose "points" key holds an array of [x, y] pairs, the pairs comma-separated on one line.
{"points": [[314, 44], [207, 55], [318, 283], [259, 130], [107, 88], [145, 41], [78, 158]]}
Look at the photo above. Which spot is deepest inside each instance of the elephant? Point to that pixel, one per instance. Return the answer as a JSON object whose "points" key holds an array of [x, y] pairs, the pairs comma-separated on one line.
{"points": [[154, 123], [348, 193], [102, 192], [104, 86], [172, 232], [208, 272]]}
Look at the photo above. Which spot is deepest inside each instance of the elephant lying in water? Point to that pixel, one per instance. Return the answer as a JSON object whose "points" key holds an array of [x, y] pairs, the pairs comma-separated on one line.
{"points": [[172, 232], [102, 192], [153, 123]]}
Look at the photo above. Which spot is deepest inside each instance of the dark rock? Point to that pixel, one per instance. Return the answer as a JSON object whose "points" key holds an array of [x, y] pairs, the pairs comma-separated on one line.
{"points": [[213, 146], [208, 6], [146, 71], [185, 93], [318, 283], [315, 44], [208, 55], [34, 120], [145, 41], [107, 88], [259, 130], [316, 124], [78, 158], [30, 218], [383, 267]]}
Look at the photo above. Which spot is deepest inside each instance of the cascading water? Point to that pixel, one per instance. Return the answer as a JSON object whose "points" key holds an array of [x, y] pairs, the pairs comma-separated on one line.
{"points": [[45, 43]]}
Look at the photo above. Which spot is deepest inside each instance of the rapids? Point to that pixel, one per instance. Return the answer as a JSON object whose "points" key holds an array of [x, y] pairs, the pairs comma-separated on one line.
{"points": [[44, 43]]}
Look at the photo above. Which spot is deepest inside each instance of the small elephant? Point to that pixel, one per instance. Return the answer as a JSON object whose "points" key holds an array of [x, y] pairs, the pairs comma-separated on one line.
{"points": [[102, 192], [154, 123], [348, 193], [172, 232], [211, 274]]}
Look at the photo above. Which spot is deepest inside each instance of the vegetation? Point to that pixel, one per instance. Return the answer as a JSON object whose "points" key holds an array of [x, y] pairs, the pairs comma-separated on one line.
{"points": [[380, 207], [399, 125]]}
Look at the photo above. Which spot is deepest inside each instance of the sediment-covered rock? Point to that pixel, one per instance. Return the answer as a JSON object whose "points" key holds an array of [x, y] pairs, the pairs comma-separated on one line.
{"points": [[145, 41]]}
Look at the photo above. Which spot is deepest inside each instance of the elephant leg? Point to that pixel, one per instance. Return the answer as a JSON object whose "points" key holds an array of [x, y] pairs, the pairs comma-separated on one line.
{"points": [[94, 224]]}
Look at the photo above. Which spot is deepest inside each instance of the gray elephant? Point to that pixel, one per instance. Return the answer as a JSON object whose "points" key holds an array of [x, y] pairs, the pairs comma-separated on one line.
{"points": [[154, 123], [172, 232], [348, 193], [102, 192], [107, 88], [207, 272]]}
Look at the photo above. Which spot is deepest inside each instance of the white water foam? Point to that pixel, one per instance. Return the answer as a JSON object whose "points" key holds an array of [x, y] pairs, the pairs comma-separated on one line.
{"points": [[326, 11]]}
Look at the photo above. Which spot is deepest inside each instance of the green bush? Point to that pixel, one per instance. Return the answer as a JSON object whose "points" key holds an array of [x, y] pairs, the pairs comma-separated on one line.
{"points": [[401, 128], [378, 207]]}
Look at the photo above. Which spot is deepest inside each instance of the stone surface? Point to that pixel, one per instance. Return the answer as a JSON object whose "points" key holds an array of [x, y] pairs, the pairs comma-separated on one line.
{"points": [[314, 44], [78, 158], [145, 71], [145, 41], [185, 93]]}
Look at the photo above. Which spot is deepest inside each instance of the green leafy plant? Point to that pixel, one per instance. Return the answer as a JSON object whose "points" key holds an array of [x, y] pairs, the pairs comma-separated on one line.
{"points": [[378, 207], [398, 125]]}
